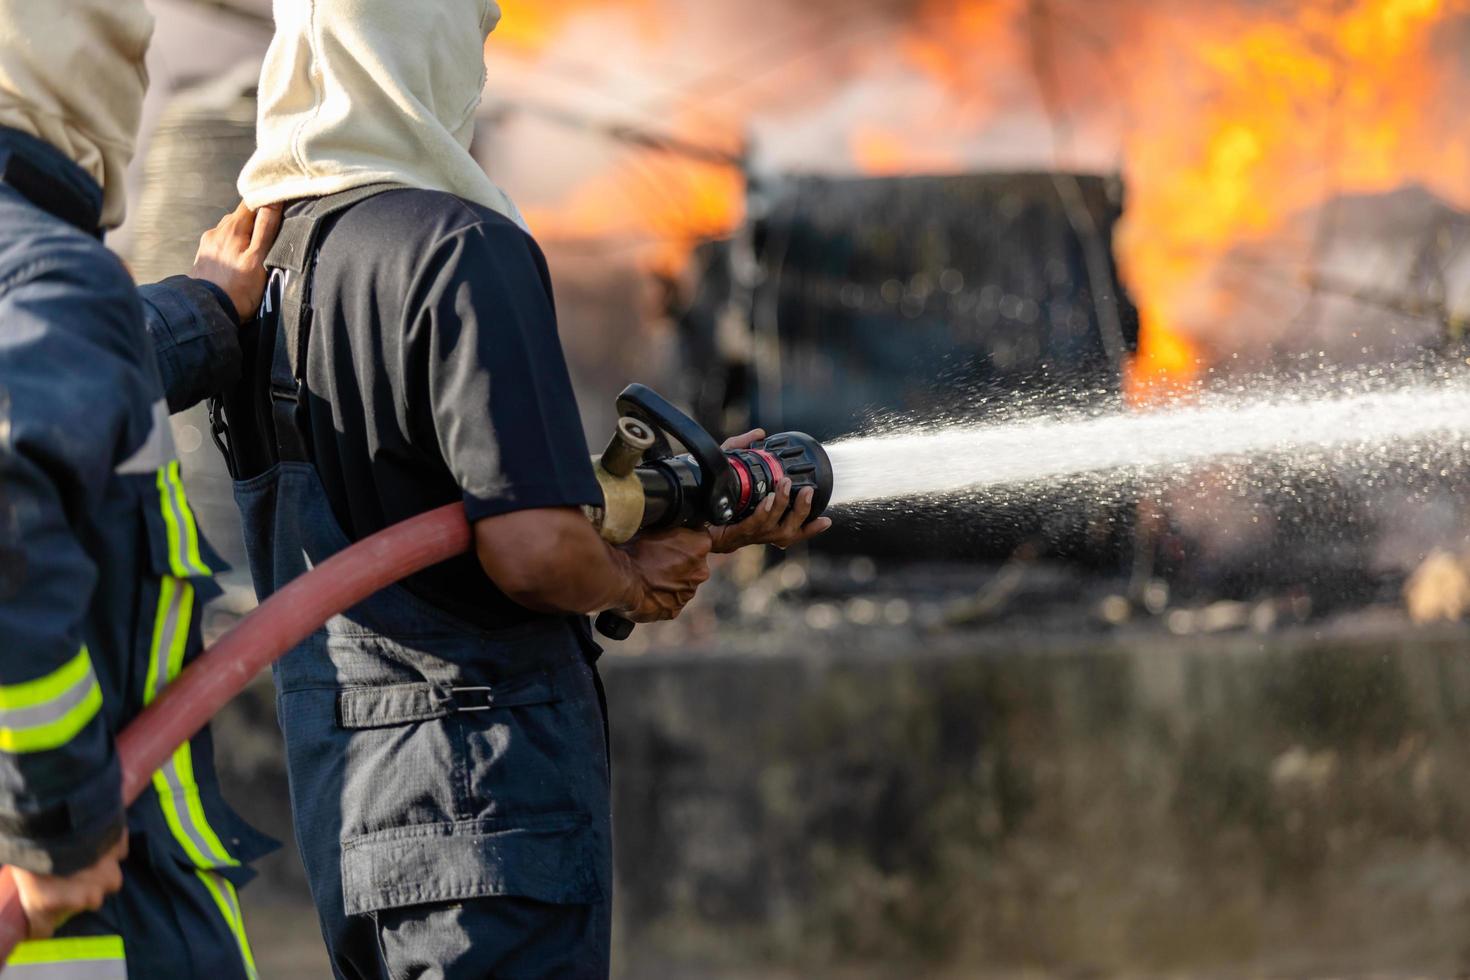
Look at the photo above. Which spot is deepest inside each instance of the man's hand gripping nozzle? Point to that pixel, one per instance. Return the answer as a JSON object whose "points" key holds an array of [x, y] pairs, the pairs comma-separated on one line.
{"points": [[646, 486]]}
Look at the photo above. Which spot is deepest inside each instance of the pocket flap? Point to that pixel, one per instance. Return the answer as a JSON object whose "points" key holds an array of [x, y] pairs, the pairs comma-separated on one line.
{"points": [[548, 860], [391, 704]]}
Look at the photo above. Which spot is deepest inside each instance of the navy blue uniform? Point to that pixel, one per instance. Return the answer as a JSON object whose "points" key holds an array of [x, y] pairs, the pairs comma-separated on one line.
{"points": [[447, 748], [103, 572]]}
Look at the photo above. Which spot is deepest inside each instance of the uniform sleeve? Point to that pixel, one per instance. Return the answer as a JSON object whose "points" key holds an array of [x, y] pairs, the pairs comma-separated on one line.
{"points": [[195, 337], [483, 354], [74, 399]]}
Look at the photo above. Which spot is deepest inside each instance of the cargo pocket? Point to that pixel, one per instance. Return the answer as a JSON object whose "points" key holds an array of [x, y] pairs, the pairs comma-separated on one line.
{"points": [[418, 831], [537, 749]]}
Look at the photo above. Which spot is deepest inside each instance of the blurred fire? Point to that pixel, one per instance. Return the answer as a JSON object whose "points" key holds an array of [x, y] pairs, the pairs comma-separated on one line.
{"points": [[662, 202], [885, 152], [1329, 99], [535, 25], [1238, 118], [1230, 121], [668, 206]]}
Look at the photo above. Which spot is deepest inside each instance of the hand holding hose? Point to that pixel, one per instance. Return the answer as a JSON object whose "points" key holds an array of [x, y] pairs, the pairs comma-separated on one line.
{"points": [[769, 490], [49, 900]]}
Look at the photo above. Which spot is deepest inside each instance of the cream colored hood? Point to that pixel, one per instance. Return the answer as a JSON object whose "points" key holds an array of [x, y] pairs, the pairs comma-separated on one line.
{"points": [[71, 74], [358, 92]]}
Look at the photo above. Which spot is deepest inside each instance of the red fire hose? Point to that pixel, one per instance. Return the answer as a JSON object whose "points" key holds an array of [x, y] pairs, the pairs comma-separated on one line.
{"points": [[277, 625]]}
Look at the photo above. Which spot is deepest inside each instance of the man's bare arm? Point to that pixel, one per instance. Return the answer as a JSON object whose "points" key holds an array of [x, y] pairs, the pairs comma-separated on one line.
{"points": [[552, 560]]}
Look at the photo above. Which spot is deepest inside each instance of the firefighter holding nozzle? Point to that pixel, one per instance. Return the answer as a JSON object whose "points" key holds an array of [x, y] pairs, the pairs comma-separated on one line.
{"points": [[103, 570], [446, 738]]}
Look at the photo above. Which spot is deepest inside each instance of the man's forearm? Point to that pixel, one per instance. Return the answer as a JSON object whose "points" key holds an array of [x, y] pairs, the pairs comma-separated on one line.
{"points": [[599, 577], [553, 561]]}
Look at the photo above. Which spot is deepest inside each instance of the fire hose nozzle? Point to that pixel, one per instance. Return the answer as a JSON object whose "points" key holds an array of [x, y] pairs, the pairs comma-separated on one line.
{"points": [[646, 486], [631, 439], [621, 514]]}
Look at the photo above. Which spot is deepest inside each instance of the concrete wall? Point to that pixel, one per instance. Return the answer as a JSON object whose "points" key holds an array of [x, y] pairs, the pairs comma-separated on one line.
{"points": [[886, 804], [1296, 806]]}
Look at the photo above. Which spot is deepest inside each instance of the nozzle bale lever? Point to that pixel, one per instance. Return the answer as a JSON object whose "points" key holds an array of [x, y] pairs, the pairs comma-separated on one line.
{"points": [[645, 486]]}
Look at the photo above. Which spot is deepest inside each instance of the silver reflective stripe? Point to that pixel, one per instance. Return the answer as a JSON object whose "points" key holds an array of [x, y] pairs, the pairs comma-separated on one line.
{"points": [[52, 710], [178, 794], [77, 970], [229, 905], [180, 518], [178, 799], [69, 958], [49, 711], [156, 450], [167, 630]]}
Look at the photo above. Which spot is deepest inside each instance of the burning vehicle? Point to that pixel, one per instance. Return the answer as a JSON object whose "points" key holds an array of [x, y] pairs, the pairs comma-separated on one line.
{"points": [[910, 296], [848, 302]]}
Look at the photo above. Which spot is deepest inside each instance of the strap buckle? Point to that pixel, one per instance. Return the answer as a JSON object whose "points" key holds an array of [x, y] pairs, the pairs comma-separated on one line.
{"points": [[219, 433], [486, 698]]}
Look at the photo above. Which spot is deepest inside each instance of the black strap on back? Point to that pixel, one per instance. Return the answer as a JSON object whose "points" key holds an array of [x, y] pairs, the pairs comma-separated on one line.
{"points": [[294, 257]]}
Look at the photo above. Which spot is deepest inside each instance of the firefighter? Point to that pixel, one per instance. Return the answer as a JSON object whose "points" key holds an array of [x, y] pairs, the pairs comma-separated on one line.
{"points": [[103, 570], [446, 738]]}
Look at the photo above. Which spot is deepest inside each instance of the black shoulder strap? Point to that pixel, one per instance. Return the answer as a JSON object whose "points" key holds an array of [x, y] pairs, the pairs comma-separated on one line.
{"points": [[293, 257]]}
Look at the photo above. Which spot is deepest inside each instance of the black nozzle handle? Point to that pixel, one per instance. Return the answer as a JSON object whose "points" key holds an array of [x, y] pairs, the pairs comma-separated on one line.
{"points": [[613, 626], [717, 483]]}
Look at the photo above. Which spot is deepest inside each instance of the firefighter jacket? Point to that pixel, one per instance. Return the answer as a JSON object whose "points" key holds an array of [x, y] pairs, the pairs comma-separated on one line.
{"points": [[103, 571]]}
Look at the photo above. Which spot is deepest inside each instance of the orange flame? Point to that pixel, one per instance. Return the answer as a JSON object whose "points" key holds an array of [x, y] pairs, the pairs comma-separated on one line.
{"points": [[1231, 120], [673, 206], [1241, 117], [662, 203], [1331, 101], [885, 152], [534, 25]]}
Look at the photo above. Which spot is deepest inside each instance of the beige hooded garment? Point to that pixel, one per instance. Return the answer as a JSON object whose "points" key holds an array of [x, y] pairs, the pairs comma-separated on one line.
{"points": [[358, 92], [72, 74]]}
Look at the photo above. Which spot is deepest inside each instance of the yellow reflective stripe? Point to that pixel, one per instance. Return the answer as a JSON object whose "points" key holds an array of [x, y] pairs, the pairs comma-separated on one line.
{"points": [[67, 950], [184, 761], [170, 633], [58, 732], [49, 711], [179, 642], [178, 793], [163, 619], [228, 901], [208, 851], [186, 516], [28, 694], [183, 757], [170, 524]]}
